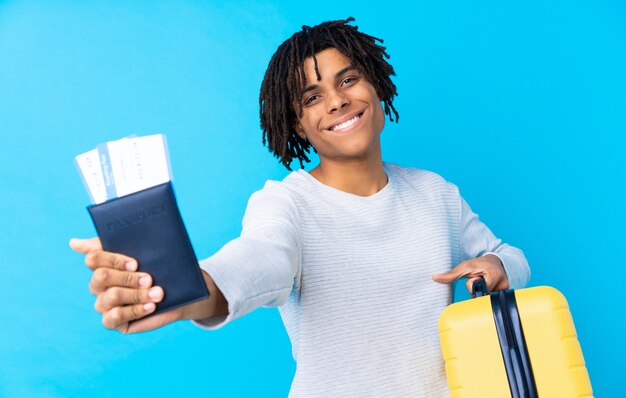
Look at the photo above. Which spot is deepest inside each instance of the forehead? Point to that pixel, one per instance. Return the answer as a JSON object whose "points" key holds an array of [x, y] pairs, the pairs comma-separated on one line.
{"points": [[329, 61]]}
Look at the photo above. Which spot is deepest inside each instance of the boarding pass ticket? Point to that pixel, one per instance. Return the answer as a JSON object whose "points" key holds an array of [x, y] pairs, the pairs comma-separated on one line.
{"points": [[118, 168]]}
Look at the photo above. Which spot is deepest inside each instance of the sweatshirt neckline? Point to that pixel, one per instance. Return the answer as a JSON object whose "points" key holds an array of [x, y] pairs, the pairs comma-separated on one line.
{"points": [[350, 196]]}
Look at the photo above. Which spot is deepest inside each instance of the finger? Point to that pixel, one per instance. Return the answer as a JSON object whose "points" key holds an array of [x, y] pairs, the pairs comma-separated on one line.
{"points": [[502, 284], [121, 296], [119, 318], [152, 322], [98, 258], [452, 275], [104, 278], [85, 245]]}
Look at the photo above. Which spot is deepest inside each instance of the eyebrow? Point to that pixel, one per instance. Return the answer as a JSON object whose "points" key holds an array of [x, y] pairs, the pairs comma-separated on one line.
{"points": [[337, 75]]}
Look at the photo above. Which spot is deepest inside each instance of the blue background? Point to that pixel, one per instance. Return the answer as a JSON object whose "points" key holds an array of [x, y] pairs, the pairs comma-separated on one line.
{"points": [[522, 105]]}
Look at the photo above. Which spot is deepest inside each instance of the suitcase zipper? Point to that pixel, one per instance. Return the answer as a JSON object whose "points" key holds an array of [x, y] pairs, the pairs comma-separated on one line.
{"points": [[511, 336], [506, 320]]}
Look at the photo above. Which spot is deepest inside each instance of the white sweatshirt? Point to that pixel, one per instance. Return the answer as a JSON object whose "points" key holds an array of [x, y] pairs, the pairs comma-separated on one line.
{"points": [[352, 278]]}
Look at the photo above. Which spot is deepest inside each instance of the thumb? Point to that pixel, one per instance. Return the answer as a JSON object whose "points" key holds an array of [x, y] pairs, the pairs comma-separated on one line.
{"points": [[452, 275], [84, 246], [154, 322]]}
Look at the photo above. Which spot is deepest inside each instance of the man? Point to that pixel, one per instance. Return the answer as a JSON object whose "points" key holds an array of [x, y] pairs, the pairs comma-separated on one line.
{"points": [[350, 251]]}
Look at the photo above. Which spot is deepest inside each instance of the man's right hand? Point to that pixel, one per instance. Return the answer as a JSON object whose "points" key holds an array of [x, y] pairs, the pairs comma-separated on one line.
{"points": [[123, 295]]}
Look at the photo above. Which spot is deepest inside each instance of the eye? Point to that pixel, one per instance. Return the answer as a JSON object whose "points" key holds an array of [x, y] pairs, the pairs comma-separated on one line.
{"points": [[349, 80], [310, 99]]}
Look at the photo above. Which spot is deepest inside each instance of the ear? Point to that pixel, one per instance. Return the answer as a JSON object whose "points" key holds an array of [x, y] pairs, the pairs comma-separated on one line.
{"points": [[300, 130]]}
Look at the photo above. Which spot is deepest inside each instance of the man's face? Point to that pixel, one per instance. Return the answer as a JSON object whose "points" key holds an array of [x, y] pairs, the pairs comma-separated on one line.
{"points": [[341, 114]]}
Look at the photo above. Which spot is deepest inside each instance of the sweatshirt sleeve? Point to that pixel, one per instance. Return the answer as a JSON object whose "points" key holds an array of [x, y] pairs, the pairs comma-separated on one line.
{"points": [[476, 239], [262, 266]]}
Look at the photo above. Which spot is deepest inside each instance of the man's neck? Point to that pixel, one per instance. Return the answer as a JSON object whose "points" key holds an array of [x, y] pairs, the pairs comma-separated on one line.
{"points": [[359, 177]]}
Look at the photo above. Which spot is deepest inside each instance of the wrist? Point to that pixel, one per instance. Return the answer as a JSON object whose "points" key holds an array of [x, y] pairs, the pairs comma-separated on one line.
{"points": [[215, 305], [198, 310], [500, 277], [494, 258]]}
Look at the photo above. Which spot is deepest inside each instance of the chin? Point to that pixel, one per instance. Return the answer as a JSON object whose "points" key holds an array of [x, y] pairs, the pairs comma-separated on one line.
{"points": [[363, 151]]}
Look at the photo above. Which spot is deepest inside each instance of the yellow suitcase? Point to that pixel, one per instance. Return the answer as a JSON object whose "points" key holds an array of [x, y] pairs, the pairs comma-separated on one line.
{"points": [[515, 343]]}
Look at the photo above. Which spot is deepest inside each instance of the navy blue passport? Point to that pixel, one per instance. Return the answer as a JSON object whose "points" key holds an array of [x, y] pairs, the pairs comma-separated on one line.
{"points": [[147, 226]]}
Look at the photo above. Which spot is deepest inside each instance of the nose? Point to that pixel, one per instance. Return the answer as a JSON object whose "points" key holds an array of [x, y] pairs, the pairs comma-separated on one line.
{"points": [[337, 100]]}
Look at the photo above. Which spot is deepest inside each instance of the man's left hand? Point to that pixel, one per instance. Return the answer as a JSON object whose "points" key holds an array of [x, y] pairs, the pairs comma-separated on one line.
{"points": [[488, 267]]}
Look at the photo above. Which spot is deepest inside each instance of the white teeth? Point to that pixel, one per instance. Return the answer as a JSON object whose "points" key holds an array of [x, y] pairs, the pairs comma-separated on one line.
{"points": [[345, 124]]}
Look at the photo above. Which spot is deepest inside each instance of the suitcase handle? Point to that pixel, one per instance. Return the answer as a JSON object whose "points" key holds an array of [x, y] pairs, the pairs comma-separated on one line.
{"points": [[479, 288]]}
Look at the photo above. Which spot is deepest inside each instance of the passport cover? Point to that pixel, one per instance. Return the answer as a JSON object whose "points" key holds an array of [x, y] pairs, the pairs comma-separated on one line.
{"points": [[148, 227]]}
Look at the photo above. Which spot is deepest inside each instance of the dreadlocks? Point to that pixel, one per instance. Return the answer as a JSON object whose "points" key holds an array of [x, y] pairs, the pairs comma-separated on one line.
{"points": [[285, 79]]}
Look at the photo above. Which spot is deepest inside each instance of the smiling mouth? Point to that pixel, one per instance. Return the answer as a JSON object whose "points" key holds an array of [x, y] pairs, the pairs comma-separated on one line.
{"points": [[347, 124]]}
